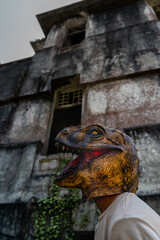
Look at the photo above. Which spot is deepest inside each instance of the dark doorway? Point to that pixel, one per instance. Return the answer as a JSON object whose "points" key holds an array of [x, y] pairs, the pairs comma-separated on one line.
{"points": [[63, 117]]}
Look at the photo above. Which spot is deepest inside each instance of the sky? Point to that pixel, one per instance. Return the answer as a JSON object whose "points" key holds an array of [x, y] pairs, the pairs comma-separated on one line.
{"points": [[19, 26]]}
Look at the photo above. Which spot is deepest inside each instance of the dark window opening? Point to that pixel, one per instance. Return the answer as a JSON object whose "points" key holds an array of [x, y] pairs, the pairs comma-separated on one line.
{"points": [[63, 117], [156, 8], [158, 14], [75, 36]]}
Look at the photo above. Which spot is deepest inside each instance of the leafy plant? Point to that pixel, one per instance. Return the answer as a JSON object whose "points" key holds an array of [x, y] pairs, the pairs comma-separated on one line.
{"points": [[84, 220], [54, 220]]}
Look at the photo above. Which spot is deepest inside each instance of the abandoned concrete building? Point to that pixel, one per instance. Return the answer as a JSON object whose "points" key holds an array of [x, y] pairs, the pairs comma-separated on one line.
{"points": [[99, 63]]}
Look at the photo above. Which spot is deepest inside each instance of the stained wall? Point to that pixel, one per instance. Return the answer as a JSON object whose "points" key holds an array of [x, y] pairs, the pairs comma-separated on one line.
{"points": [[118, 67]]}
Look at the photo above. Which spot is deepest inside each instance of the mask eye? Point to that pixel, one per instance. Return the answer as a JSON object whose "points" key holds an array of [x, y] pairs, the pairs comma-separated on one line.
{"points": [[95, 134]]}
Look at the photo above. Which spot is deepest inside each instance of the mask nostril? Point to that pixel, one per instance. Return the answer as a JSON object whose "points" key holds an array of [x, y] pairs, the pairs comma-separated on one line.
{"points": [[77, 137], [65, 132]]}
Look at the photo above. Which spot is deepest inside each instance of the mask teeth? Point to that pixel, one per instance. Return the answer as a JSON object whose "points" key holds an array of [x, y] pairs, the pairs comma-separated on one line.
{"points": [[57, 145], [63, 148]]}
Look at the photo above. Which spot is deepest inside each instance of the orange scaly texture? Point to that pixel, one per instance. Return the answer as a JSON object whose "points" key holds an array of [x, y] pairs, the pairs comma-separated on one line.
{"points": [[107, 161]]}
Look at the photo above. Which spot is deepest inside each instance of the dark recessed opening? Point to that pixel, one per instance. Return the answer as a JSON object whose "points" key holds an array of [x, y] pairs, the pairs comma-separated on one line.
{"points": [[75, 36], [63, 117], [158, 15], [84, 235], [157, 10]]}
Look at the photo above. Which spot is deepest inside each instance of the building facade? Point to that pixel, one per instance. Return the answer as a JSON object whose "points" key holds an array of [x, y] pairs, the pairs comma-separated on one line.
{"points": [[99, 63]]}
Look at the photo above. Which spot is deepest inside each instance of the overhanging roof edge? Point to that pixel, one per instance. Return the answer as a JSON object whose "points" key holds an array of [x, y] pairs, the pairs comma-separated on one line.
{"points": [[49, 18]]}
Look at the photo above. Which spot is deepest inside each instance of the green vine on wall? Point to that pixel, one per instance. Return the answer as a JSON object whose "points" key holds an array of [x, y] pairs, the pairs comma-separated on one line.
{"points": [[84, 220], [54, 219]]}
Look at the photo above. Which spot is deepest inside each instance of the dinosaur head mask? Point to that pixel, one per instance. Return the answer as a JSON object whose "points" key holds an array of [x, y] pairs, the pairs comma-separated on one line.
{"points": [[107, 161]]}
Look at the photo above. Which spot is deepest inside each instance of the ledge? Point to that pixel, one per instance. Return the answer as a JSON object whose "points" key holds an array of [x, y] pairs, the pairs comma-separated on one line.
{"points": [[144, 127], [22, 144]]}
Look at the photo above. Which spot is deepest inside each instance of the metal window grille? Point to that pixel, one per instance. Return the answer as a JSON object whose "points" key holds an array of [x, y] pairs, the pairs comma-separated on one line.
{"points": [[69, 98]]}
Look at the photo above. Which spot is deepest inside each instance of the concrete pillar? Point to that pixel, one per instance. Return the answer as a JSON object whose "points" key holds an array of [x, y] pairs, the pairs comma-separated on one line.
{"points": [[56, 36]]}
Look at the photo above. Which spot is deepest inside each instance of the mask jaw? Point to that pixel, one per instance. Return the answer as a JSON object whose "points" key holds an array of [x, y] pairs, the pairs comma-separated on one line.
{"points": [[91, 192], [120, 175]]}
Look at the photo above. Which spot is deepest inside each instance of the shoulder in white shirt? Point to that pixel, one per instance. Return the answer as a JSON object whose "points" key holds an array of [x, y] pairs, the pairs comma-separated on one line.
{"points": [[127, 218]]}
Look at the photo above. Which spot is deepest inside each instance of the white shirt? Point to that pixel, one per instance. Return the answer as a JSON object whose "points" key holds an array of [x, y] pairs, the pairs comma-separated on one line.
{"points": [[128, 218]]}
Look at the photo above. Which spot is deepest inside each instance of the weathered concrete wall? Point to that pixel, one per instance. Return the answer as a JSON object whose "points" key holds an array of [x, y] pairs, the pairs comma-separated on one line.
{"points": [[12, 218], [121, 48], [119, 18], [23, 124], [118, 62], [152, 201], [131, 48], [122, 52], [16, 167], [147, 141], [25, 120], [124, 103], [12, 77]]}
